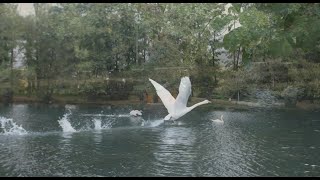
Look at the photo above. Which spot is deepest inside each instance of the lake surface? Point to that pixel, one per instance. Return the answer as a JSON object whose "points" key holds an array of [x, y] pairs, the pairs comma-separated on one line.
{"points": [[51, 140]]}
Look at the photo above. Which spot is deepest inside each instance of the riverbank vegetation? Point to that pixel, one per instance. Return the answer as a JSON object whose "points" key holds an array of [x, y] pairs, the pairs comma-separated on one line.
{"points": [[107, 52]]}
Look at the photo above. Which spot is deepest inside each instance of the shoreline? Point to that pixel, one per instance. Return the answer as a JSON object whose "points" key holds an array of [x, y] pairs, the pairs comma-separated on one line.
{"points": [[216, 103]]}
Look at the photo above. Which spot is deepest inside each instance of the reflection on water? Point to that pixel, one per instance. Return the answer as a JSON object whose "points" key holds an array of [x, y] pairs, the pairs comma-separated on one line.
{"points": [[97, 137], [66, 136], [175, 154], [249, 143]]}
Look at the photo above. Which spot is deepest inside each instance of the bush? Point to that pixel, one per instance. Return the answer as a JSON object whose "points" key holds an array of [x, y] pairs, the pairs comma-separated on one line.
{"points": [[7, 96], [107, 90], [290, 95], [44, 95]]}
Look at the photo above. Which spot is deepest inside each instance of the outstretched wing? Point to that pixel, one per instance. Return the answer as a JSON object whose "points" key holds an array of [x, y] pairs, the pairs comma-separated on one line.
{"points": [[184, 93], [165, 96]]}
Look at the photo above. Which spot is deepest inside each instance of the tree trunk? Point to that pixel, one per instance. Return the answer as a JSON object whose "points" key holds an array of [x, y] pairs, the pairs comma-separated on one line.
{"points": [[116, 64], [237, 63], [48, 84], [144, 55], [243, 55], [215, 78], [213, 49], [36, 81], [11, 66], [234, 52], [137, 53], [144, 48], [273, 81], [234, 60]]}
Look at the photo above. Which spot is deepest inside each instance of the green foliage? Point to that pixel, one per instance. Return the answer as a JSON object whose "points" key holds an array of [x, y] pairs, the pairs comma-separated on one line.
{"points": [[305, 76], [204, 81], [290, 94], [107, 90], [234, 82], [71, 47], [7, 96]]}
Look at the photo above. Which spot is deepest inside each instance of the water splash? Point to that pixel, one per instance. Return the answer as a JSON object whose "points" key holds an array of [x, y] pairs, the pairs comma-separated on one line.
{"points": [[97, 124], [124, 115], [107, 125], [154, 123], [8, 127], [65, 124], [70, 106], [107, 115]]}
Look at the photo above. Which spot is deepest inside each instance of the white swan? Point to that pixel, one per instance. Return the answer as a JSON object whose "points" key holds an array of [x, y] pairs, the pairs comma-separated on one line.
{"points": [[218, 120], [176, 107], [136, 113]]}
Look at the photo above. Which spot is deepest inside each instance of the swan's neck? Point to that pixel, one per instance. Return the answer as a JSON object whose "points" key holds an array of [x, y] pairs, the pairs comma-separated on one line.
{"points": [[221, 117], [198, 104]]}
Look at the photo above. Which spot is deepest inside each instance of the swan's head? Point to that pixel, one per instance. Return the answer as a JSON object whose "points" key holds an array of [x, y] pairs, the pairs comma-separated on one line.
{"points": [[206, 101]]}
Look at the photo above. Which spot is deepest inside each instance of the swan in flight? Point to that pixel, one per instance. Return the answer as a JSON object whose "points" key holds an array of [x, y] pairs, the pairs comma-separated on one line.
{"points": [[218, 120], [176, 107], [136, 113]]}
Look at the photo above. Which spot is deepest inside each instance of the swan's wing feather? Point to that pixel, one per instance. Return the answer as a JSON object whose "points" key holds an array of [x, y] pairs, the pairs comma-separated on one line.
{"points": [[165, 96], [184, 93]]}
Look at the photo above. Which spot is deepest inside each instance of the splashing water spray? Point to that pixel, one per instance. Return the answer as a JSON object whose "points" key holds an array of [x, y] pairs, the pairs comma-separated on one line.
{"points": [[9, 127], [65, 124]]}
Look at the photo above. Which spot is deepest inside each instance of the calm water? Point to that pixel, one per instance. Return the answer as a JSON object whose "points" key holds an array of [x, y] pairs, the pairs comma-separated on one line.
{"points": [[38, 140]]}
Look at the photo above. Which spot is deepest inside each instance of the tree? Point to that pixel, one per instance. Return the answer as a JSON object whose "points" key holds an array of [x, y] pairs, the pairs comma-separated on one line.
{"points": [[10, 33]]}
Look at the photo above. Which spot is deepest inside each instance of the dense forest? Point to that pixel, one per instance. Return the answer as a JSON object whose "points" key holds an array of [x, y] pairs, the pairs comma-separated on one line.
{"points": [[108, 51]]}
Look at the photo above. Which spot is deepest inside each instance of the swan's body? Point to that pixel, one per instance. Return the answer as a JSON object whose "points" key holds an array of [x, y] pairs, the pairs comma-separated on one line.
{"points": [[176, 107], [136, 113], [220, 121]]}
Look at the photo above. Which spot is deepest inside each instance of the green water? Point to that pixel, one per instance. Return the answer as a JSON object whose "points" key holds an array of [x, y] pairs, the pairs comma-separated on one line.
{"points": [[108, 142]]}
